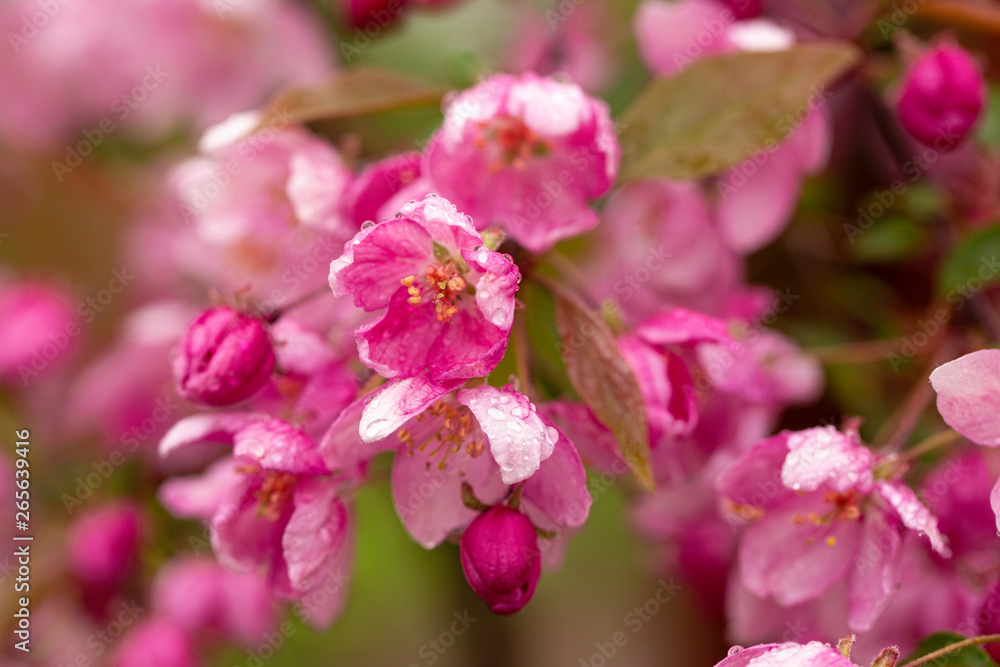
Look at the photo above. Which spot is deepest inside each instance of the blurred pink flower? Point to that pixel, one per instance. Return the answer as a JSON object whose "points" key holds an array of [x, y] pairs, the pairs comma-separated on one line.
{"points": [[156, 642], [38, 331], [104, 544]]}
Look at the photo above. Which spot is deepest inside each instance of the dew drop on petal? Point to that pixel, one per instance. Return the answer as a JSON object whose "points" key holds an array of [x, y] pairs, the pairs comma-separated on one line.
{"points": [[734, 650], [372, 430], [496, 413], [514, 425], [499, 317], [551, 435]]}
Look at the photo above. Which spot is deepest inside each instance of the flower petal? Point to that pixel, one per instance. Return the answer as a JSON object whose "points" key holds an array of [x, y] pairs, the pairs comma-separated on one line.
{"points": [[199, 496], [277, 445], [824, 455], [315, 531], [876, 571], [968, 390], [556, 497], [208, 427], [396, 402], [519, 440], [913, 513]]}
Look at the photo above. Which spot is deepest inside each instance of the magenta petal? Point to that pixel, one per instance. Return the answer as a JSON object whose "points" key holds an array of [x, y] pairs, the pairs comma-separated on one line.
{"points": [[666, 32], [428, 498], [754, 479], [744, 657], [813, 654], [467, 347], [968, 390], [387, 409], [519, 439], [208, 427], [244, 540], [792, 560], [681, 326], [995, 502], [824, 455], [199, 496], [398, 343], [757, 201], [556, 497], [315, 530], [321, 606], [495, 290], [277, 445], [378, 258], [913, 513], [876, 571], [342, 447]]}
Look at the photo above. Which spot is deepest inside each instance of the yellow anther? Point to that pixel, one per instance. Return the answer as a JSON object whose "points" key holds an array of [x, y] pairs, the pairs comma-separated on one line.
{"points": [[830, 541], [408, 280], [413, 300]]}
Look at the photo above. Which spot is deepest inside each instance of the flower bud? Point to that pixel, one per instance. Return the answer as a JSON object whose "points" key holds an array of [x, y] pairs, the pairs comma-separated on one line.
{"points": [[223, 358], [942, 95], [104, 543], [37, 331], [501, 559]]}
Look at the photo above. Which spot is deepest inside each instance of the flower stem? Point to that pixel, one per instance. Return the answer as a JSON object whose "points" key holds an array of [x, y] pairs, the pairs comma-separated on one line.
{"points": [[273, 316], [965, 643], [941, 439]]}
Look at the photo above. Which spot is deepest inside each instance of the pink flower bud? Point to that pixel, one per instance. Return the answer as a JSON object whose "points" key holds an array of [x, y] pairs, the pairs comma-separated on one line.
{"points": [[37, 331], [501, 559], [224, 357], [103, 544], [942, 96]]}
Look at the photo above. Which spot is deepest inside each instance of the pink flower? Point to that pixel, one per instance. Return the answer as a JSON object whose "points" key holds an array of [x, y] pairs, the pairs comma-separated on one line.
{"points": [[38, 331], [789, 654], [967, 398], [202, 597], [223, 358], [526, 153], [449, 302], [500, 558], [272, 508], [756, 198], [942, 96], [486, 437], [264, 211], [156, 642], [376, 187], [104, 544], [815, 506]]}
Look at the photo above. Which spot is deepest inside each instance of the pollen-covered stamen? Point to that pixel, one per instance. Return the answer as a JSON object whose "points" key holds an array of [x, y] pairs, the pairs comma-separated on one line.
{"points": [[274, 493], [514, 141], [845, 508], [454, 434]]}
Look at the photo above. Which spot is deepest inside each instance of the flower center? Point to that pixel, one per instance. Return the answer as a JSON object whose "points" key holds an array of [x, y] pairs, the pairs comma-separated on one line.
{"points": [[845, 508], [450, 438], [443, 283], [514, 141], [274, 492]]}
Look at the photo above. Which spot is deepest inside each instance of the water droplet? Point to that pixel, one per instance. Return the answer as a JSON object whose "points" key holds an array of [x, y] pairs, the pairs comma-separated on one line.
{"points": [[496, 413], [551, 435], [734, 650], [499, 317], [505, 399], [484, 293], [514, 425], [373, 428], [324, 534], [482, 257], [367, 224]]}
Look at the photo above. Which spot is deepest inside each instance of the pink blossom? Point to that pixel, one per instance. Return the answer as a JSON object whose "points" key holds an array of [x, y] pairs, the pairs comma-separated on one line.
{"points": [[756, 198], [815, 506], [483, 436], [449, 301], [273, 508], [789, 654], [501, 559], [223, 358], [526, 153], [104, 544], [267, 210], [968, 395], [204, 598], [375, 188], [38, 332], [942, 96]]}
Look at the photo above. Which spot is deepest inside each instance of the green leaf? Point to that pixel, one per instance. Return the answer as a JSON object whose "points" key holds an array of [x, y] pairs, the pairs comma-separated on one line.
{"points": [[355, 91], [972, 656], [972, 264], [719, 110], [604, 381], [892, 239]]}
